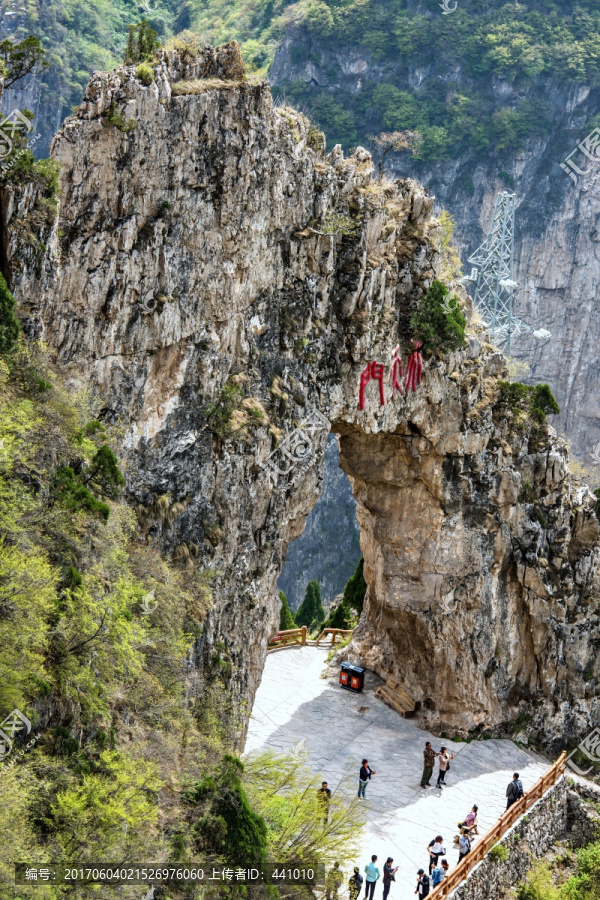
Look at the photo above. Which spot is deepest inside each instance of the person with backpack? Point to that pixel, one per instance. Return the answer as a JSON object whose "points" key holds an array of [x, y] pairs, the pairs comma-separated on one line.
{"points": [[514, 791], [388, 876], [372, 876], [439, 873], [464, 843], [435, 848], [423, 884], [355, 884], [444, 763]]}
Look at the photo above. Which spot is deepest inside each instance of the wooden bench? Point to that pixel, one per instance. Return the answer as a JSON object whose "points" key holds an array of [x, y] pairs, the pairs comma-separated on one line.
{"points": [[394, 695]]}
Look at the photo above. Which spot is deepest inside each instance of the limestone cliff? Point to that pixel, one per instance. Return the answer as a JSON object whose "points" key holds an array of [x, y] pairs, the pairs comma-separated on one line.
{"points": [[556, 229], [220, 282]]}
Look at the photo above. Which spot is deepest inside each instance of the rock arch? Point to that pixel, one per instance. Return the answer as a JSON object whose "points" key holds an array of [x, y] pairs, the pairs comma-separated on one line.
{"points": [[275, 273]]}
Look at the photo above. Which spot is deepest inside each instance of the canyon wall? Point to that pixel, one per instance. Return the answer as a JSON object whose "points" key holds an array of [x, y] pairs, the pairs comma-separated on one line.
{"points": [[557, 262], [221, 284]]}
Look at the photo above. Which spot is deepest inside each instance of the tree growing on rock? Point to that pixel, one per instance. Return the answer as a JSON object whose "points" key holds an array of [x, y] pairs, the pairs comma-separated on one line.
{"points": [[142, 43], [438, 323], [311, 612]]}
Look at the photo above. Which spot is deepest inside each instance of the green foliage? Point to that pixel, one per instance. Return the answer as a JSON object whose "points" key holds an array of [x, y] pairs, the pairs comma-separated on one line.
{"points": [[145, 73], [543, 402], [347, 612], [439, 327], [499, 853], [597, 504], [224, 824], [17, 60], [114, 117], [9, 324], [517, 401], [583, 885], [142, 44], [74, 641], [286, 618], [310, 611], [356, 588], [75, 496], [284, 792], [232, 414]]}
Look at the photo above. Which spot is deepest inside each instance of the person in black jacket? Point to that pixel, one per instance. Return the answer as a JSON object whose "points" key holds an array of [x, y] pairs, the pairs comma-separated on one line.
{"points": [[365, 773], [514, 790], [388, 876], [324, 796], [423, 884]]}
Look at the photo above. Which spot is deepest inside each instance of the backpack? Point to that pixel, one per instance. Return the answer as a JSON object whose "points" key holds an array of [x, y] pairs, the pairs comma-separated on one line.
{"points": [[519, 787], [436, 876]]}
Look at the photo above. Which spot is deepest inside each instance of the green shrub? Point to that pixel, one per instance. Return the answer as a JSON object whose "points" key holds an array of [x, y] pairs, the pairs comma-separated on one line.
{"points": [[543, 402], [9, 324], [499, 853], [145, 74], [75, 496], [115, 118], [597, 504], [439, 327]]}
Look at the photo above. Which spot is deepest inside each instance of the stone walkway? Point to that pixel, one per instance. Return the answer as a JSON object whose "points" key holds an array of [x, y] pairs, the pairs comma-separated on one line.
{"points": [[296, 707]]}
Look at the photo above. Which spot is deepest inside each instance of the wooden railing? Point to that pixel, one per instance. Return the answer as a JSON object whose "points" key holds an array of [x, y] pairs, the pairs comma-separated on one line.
{"points": [[334, 633], [294, 636], [506, 820], [288, 638]]}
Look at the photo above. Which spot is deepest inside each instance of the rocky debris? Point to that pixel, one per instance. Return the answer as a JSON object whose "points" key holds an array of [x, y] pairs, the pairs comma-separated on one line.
{"points": [[222, 284]]}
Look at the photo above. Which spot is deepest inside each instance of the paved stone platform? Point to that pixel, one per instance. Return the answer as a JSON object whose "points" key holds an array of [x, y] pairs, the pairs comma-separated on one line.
{"points": [[294, 704]]}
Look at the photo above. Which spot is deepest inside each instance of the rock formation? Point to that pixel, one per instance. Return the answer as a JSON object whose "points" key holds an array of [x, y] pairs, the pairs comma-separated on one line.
{"points": [[222, 285]]}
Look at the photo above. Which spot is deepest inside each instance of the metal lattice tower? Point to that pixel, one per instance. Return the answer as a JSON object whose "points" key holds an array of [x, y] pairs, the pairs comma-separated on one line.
{"points": [[493, 275]]}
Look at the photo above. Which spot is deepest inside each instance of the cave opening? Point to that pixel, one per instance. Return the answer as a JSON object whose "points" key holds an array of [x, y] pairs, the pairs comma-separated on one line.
{"points": [[328, 550]]}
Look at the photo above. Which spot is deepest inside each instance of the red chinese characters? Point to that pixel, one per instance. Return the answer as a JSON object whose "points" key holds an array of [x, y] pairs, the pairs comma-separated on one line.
{"points": [[372, 370], [376, 371]]}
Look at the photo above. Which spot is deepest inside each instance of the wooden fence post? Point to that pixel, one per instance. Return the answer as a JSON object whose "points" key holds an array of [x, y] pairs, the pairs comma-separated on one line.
{"points": [[304, 634]]}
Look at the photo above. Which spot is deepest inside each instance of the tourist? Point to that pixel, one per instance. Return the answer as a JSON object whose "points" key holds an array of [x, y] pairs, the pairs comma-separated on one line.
{"points": [[435, 848], [422, 888], [364, 775], [514, 790], [324, 796], [333, 882], [439, 873], [464, 843], [470, 822], [444, 762], [429, 756], [388, 876], [355, 884], [372, 874]]}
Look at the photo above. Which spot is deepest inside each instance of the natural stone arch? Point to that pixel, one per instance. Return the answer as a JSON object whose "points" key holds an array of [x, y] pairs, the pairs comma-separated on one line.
{"points": [[274, 275]]}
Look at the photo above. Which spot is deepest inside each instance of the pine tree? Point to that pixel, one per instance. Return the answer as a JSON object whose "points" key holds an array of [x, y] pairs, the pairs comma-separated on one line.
{"points": [[9, 325], [356, 588], [354, 595], [311, 612], [286, 618]]}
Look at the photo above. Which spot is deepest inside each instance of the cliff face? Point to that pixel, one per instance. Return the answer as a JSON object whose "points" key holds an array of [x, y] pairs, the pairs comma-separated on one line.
{"points": [[222, 285], [556, 237]]}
